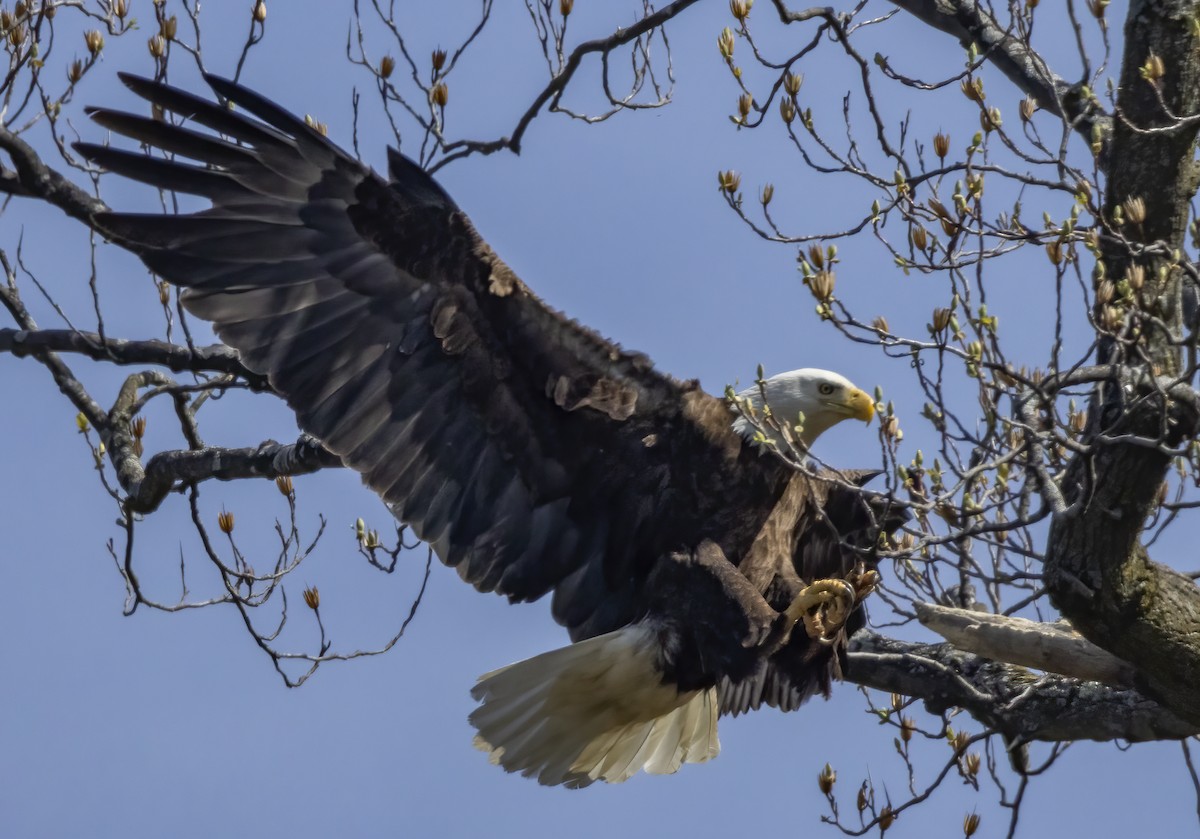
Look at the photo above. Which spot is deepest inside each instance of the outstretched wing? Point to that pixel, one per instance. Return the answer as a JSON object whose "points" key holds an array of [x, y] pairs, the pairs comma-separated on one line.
{"points": [[532, 453]]}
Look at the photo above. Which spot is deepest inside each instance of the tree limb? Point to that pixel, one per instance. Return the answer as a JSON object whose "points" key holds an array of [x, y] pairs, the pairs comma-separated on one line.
{"points": [[557, 84], [148, 486], [36, 179], [215, 358], [1017, 703], [1052, 647], [970, 23]]}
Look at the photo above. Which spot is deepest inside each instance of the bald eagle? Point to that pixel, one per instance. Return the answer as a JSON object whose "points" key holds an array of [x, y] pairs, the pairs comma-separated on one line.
{"points": [[696, 576]]}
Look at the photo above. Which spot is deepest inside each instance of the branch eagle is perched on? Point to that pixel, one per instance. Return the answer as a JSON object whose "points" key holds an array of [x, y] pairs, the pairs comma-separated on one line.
{"points": [[534, 455]]}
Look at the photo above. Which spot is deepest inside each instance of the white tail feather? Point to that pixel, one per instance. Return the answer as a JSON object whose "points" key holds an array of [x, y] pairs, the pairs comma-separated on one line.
{"points": [[597, 710]]}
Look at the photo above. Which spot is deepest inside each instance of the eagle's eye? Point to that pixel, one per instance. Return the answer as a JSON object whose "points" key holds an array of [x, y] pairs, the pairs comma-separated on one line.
{"points": [[826, 389]]}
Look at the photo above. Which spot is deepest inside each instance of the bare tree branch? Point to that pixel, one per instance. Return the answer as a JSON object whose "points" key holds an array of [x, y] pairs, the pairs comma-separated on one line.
{"points": [[970, 23], [148, 485], [1045, 646], [1012, 700], [558, 84], [36, 179], [215, 358]]}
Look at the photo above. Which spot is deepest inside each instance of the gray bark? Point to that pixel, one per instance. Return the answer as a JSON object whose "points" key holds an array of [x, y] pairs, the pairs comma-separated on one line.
{"points": [[1098, 574]]}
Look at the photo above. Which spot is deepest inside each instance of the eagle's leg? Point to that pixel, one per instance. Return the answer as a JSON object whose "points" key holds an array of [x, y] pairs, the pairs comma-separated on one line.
{"points": [[825, 605]]}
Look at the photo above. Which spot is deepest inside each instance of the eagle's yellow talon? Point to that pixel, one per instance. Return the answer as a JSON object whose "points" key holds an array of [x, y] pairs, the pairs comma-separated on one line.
{"points": [[824, 607]]}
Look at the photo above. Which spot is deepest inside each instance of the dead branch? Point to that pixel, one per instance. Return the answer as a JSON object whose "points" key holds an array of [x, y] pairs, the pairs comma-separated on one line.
{"points": [[1053, 647]]}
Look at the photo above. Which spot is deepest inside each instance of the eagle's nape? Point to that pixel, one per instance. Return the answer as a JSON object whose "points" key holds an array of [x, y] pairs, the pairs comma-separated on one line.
{"points": [[536, 456]]}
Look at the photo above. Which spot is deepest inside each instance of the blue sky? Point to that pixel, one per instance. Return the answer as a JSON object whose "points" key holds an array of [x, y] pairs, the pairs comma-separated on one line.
{"points": [[177, 725]]}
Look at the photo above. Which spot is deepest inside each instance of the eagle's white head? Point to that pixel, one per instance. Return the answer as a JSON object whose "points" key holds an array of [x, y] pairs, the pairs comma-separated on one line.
{"points": [[824, 397]]}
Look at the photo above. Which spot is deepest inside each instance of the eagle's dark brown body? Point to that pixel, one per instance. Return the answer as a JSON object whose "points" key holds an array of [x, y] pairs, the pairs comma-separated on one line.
{"points": [[536, 456]]}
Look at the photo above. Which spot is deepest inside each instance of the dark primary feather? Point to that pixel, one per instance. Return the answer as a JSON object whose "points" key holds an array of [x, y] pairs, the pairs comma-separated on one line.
{"points": [[533, 454]]}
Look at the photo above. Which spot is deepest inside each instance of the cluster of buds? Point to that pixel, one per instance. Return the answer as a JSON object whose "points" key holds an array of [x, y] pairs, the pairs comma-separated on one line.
{"points": [[312, 598], [863, 799], [827, 779], [818, 258], [889, 425], [1111, 318], [974, 358], [1076, 419], [787, 110], [821, 285], [975, 185], [1027, 108], [368, 539], [94, 41], [919, 236], [887, 817], [744, 106], [320, 127], [1136, 277], [1134, 209], [941, 320], [1097, 143], [941, 145], [973, 89], [138, 428], [1153, 69], [989, 119], [1083, 195], [725, 43], [948, 221], [439, 94], [729, 181]]}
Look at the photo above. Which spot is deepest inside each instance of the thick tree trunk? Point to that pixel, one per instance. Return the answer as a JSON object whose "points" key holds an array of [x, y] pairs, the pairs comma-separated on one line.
{"points": [[1097, 571]]}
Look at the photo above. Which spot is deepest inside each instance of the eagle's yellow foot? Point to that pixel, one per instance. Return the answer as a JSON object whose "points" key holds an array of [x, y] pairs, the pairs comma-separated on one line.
{"points": [[825, 606]]}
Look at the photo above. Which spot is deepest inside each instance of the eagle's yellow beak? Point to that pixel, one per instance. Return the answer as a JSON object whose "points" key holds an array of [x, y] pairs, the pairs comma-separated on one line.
{"points": [[860, 405]]}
